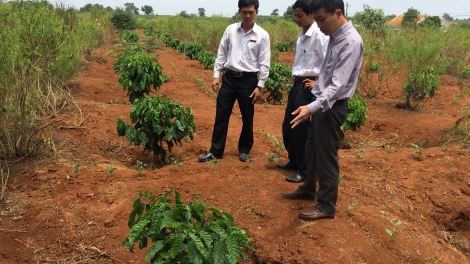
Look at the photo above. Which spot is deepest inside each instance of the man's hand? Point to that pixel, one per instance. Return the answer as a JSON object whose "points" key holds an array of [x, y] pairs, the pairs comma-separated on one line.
{"points": [[256, 95], [216, 85], [303, 113], [308, 84]]}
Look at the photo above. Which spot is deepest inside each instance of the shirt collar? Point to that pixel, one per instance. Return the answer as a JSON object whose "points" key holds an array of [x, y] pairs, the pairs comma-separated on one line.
{"points": [[310, 30], [255, 27], [340, 31]]}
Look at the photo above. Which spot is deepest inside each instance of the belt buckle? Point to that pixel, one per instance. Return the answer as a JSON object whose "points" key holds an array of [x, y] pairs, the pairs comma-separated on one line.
{"points": [[237, 74]]}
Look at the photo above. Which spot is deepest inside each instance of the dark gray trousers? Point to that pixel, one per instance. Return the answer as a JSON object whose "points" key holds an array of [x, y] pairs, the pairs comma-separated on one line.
{"points": [[294, 139], [321, 156]]}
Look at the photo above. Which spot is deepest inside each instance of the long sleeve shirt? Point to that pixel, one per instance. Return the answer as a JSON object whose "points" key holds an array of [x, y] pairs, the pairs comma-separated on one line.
{"points": [[244, 51], [340, 69], [310, 52]]}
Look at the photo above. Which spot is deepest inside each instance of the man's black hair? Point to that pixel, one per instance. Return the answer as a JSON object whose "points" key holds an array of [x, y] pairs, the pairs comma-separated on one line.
{"points": [[330, 6], [246, 3], [305, 5]]}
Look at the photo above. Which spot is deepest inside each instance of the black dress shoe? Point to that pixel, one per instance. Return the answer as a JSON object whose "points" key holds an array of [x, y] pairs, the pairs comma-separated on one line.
{"points": [[287, 166], [295, 178], [244, 157], [208, 156]]}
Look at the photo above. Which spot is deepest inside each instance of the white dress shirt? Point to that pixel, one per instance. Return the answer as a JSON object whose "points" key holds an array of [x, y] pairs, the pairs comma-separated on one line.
{"points": [[310, 52], [244, 51]]}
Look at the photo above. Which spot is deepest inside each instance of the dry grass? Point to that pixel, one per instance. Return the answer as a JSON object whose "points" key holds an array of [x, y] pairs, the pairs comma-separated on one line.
{"points": [[4, 176]]}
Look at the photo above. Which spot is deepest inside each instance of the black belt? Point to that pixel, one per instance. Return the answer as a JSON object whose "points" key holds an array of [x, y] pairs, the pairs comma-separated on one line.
{"points": [[300, 79], [341, 102], [241, 74]]}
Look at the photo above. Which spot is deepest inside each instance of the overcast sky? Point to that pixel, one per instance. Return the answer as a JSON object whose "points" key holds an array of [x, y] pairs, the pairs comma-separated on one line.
{"points": [[456, 8]]}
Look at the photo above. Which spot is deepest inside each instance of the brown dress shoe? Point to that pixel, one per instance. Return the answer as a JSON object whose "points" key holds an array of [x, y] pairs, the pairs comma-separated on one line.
{"points": [[295, 195], [312, 213]]}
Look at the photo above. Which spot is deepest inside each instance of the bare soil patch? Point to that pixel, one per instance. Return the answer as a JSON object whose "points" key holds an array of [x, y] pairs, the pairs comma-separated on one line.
{"points": [[56, 215]]}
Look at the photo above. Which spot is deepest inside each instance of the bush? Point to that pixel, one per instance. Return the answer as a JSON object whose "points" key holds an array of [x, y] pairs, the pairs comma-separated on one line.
{"points": [[420, 84], [138, 73], [282, 46], [128, 36], [122, 19], [156, 120], [357, 110], [129, 51], [191, 50], [207, 59], [184, 233], [278, 77]]}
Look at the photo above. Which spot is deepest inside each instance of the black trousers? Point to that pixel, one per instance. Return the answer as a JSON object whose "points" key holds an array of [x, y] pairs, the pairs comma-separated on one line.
{"points": [[240, 89], [295, 139], [321, 153]]}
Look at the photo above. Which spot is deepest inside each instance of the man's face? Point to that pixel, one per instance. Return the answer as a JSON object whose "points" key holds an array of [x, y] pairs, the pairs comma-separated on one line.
{"points": [[248, 14], [301, 18], [328, 23]]}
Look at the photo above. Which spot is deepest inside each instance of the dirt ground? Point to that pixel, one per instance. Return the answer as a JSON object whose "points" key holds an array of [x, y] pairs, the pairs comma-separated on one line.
{"points": [[55, 215]]}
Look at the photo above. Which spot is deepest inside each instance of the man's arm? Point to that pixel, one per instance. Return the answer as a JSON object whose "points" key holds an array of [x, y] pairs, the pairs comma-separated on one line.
{"points": [[220, 61], [340, 77], [264, 59]]}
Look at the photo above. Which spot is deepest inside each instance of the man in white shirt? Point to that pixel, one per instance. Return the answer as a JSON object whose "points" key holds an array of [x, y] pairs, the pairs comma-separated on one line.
{"points": [[244, 51], [310, 53]]}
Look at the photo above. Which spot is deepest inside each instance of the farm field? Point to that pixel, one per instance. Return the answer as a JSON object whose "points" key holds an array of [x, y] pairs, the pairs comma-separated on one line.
{"points": [[55, 215]]}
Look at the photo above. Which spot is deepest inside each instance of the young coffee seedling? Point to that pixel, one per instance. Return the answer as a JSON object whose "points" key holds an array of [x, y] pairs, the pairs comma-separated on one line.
{"points": [[76, 168], [351, 206], [140, 166], [110, 168], [272, 157], [393, 232]]}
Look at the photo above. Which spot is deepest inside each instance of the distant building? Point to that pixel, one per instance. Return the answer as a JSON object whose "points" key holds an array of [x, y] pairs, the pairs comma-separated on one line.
{"points": [[396, 22]]}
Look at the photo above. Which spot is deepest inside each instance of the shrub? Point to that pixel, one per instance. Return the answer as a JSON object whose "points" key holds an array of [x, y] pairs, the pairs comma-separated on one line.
{"points": [[184, 233], [128, 36], [278, 76], [282, 46], [357, 110], [420, 84], [138, 73], [206, 58], [131, 50], [156, 120], [192, 49], [122, 19]]}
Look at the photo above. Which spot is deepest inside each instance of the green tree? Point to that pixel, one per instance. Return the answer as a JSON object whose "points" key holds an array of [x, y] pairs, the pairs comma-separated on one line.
{"points": [[201, 11], [122, 19], [289, 14], [236, 16], [371, 19], [390, 17], [447, 17], [410, 18], [431, 22], [184, 14], [85, 8], [275, 12], [109, 9], [147, 9], [131, 8]]}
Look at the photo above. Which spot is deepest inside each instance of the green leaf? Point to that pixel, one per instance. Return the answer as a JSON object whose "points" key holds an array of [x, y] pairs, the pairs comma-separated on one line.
{"points": [[233, 250], [206, 237], [219, 251], [194, 255], [153, 250], [136, 229], [177, 244]]}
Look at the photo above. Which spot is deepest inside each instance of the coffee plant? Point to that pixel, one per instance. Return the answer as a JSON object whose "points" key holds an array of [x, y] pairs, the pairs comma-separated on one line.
{"points": [[138, 73], [130, 50], [357, 110], [184, 233], [282, 46], [279, 74], [128, 36], [207, 58], [419, 85], [156, 120], [191, 50]]}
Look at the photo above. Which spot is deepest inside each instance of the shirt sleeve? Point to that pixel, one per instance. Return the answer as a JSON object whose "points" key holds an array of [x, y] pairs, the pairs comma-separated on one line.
{"points": [[222, 54], [321, 45], [264, 60], [341, 75]]}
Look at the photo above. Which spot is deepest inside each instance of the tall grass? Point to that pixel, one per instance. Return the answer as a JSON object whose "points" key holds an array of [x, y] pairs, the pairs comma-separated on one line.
{"points": [[208, 31], [41, 48]]}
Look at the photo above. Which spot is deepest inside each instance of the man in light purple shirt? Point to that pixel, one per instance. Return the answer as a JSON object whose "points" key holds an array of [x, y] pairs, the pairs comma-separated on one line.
{"points": [[335, 86]]}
